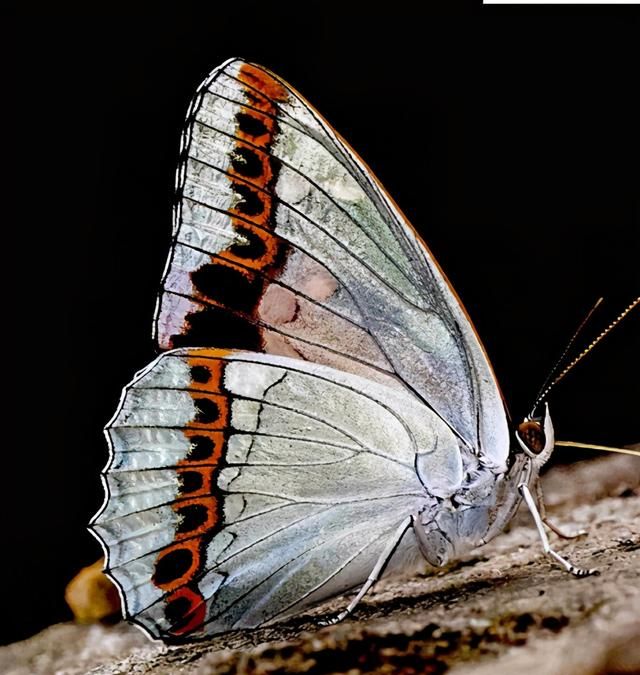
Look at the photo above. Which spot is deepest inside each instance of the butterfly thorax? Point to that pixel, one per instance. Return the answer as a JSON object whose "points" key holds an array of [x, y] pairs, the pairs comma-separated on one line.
{"points": [[488, 497], [475, 514]]}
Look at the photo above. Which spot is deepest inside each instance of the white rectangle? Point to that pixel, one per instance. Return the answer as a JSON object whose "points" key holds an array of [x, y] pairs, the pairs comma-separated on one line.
{"points": [[560, 2]]}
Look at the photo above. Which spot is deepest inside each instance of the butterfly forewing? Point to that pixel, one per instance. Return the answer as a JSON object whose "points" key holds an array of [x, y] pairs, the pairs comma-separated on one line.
{"points": [[285, 243]]}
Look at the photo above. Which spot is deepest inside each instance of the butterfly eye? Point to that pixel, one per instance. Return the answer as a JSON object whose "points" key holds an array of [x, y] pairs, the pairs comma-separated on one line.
{"points": [[532, 435]]}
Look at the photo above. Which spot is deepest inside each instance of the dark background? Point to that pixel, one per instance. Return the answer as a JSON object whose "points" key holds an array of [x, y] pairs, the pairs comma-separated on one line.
{"points": [[508, 135]]}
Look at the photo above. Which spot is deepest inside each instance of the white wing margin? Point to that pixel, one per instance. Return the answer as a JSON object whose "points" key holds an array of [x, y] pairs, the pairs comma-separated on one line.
{"points": [[271, 199], [244, 487]]}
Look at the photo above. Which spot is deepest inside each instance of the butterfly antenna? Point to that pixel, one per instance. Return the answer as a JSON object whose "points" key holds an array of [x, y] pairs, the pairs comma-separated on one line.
{"points": [[592, 446], [542, 391], [587, 349]]}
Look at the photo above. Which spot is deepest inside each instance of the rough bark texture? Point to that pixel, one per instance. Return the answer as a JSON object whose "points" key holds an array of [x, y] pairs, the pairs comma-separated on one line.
{"points": [[505, 608]]}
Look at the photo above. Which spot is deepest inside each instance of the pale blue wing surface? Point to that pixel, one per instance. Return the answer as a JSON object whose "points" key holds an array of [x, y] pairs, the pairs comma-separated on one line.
{"points": [[317, 470], [366, 289]]}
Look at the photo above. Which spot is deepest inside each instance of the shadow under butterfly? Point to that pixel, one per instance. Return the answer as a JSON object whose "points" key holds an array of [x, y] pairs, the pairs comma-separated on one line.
{"points": [[323, 404]]}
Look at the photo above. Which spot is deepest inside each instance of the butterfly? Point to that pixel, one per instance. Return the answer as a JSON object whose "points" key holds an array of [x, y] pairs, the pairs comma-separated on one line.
{"points": [[322, 403]]}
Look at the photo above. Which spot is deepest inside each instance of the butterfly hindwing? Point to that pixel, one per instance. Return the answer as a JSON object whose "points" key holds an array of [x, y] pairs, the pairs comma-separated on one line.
{"points": [[243, 487], [285, 243]]}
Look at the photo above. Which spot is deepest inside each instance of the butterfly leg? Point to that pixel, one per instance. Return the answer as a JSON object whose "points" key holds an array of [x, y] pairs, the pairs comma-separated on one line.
{"points": [[543, 516], [530, 502], [384, 558]]}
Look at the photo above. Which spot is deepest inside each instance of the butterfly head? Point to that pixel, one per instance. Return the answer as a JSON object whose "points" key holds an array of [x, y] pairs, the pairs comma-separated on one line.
{"points": [[535, 436]]}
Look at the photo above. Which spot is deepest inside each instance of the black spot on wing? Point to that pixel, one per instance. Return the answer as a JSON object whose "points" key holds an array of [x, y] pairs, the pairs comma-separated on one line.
{"points": [[229, 285], [252, 247], [207, 411], [190, 481], [246, 162], [200, 374], [201, 448], [176, 610], [251, 125], [250, 203], [217, 327], [193, 517], [172, 566]]}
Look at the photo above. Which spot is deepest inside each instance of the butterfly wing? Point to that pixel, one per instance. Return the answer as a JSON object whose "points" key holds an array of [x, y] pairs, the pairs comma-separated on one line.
{"points": [[285, 243], [243, 487]]}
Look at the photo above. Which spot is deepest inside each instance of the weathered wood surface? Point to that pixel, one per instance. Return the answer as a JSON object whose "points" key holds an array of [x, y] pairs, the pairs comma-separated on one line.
{"points": [[503, 609]]}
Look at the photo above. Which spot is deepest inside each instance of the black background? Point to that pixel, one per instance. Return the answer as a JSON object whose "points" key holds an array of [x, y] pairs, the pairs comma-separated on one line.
{"points": [[507, 135]]}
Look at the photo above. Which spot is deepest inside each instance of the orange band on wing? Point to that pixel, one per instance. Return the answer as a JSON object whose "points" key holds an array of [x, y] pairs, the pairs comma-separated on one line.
{"points": [[263, 82], [198, 504], [231, 285]]}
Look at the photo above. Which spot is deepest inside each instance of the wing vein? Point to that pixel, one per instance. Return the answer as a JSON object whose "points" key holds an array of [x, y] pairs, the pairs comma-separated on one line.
{"points": [[319, 188]]}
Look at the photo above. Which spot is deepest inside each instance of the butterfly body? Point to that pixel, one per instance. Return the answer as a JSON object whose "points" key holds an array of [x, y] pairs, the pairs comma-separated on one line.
{"points": [[323, 405]]}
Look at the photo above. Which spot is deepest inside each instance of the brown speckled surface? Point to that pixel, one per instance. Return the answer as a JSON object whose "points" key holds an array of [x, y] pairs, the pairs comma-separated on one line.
{"points": [[505, 608]]}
